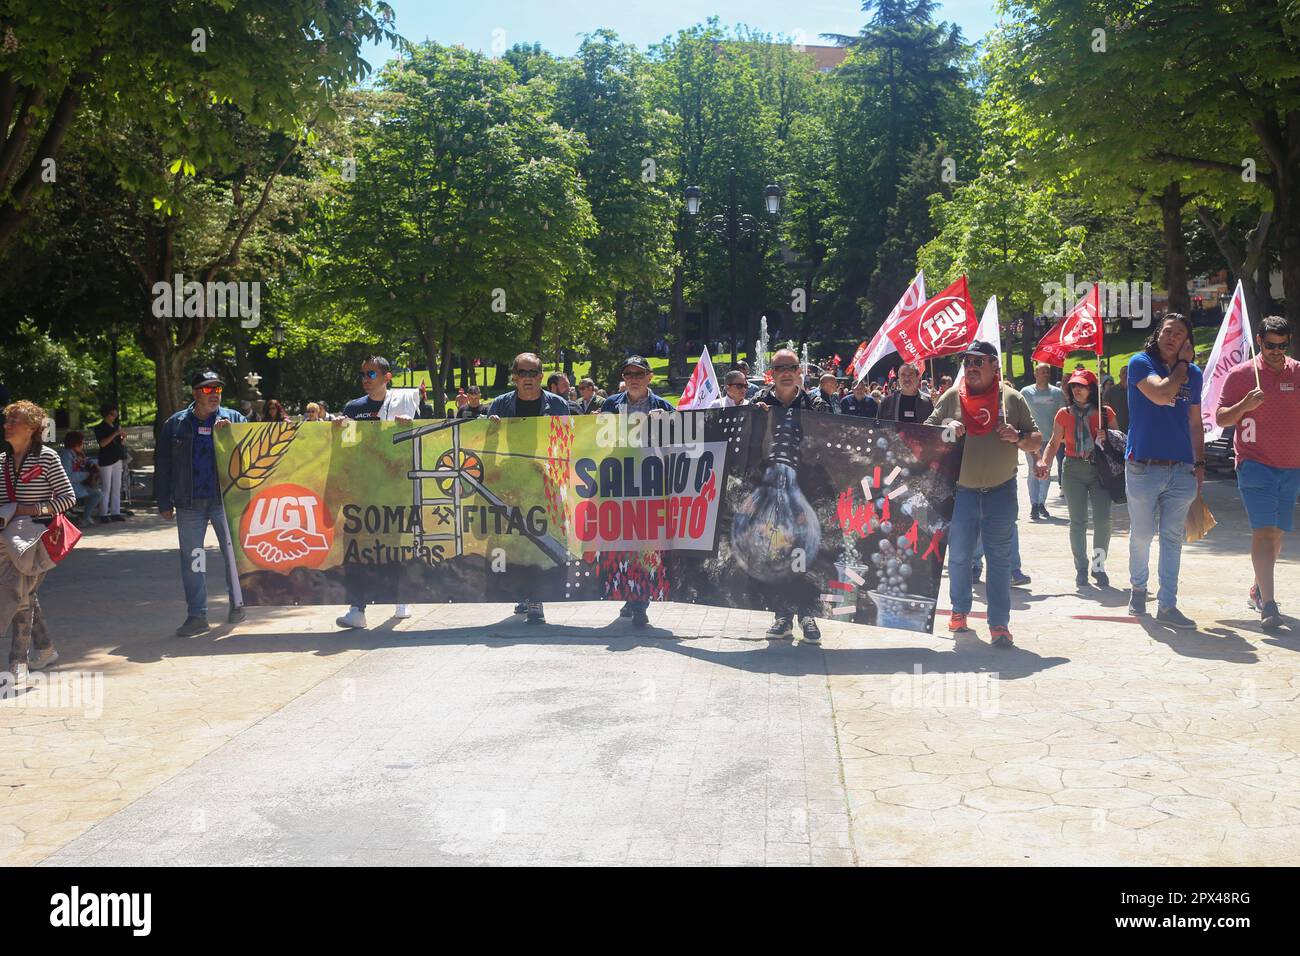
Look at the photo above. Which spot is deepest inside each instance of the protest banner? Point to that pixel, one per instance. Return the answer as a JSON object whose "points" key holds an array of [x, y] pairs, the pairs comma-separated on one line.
{"points": [[734, 507]]}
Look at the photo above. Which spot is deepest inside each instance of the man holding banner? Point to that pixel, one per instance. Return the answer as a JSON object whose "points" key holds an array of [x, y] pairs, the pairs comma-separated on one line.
{"points": [[1261, 398]]}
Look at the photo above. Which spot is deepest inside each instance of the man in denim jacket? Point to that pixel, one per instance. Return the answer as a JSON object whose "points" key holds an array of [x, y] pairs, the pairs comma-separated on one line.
{"points": [[185, 482]]}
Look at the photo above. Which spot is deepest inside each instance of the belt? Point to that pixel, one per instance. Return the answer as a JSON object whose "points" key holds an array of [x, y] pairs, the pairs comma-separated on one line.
{"points": [[1159, 461]]}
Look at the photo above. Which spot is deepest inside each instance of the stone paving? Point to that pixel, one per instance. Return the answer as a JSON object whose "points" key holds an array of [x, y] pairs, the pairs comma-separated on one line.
{"points": [[463, 736]]}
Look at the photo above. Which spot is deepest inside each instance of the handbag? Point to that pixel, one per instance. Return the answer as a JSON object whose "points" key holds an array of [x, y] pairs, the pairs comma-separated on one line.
{"points": [[57, 539], [1108, 458]]}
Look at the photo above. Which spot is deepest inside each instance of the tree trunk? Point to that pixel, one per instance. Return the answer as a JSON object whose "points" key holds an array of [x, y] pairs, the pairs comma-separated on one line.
{"points": [[168, 382], [1171, 213], [501, 375], [538, 329]]}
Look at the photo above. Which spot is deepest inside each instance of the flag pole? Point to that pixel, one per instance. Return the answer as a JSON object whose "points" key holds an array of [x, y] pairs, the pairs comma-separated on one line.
{"points": [[1250, 343]]}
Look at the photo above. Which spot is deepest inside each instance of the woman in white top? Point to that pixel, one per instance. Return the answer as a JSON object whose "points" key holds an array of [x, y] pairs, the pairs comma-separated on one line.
{"points": [[733, 390]]}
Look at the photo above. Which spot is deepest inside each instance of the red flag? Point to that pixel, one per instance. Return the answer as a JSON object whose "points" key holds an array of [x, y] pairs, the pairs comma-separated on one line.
{"points": [[1082, 328], [944, 325], [858, 356]]}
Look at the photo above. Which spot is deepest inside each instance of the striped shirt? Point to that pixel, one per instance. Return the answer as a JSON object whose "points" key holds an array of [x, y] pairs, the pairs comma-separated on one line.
{"points": [[42, 479]]}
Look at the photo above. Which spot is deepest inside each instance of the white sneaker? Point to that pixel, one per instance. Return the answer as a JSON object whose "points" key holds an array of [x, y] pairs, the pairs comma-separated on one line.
{"points": [[356, 617], [402, 612], [43, 659]]}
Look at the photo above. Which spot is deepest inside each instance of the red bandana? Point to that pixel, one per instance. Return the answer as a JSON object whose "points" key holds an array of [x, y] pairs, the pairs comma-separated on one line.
{"points": [[979, 413]]}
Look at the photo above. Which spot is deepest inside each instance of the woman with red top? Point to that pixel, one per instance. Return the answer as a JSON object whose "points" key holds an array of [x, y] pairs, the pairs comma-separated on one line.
{"points": [[1076, 426]]}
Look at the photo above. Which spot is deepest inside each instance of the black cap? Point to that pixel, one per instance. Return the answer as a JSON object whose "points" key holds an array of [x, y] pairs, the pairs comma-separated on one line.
{"points": [[980, 348], [634, 360], [206, 377]]}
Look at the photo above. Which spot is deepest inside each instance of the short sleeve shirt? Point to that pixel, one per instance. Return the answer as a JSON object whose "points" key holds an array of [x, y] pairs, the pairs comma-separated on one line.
{"points": [[1044, 405], [1268, 434], [1160, 432], [111, 453], [987, 461]]}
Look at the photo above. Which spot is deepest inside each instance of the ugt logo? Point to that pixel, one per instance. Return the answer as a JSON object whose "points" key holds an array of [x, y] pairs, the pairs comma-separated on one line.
{"points": [[286, 527], [943, 326], [1080, 325]]}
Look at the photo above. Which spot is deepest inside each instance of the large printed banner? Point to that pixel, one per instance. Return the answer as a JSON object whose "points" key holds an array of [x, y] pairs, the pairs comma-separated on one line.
{"points": [[736, 507]]}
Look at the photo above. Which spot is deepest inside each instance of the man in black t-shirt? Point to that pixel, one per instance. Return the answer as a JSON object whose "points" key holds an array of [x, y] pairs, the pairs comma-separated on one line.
{"points": [[907, 405], [112, 453], [380, 403], [473, 407]]}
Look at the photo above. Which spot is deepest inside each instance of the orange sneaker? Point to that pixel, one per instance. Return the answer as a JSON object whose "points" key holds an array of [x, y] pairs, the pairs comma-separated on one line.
{"points": [[957, 622], [1001, 636]]}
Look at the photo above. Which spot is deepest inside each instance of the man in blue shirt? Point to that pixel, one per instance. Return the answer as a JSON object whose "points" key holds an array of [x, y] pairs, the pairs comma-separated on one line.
{"points": [[185, 483], [1165, 461], [1044, 400], [859, 402]]}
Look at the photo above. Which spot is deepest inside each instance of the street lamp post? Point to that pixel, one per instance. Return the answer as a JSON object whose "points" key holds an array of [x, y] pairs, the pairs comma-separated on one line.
{"points": [[732, 226]]}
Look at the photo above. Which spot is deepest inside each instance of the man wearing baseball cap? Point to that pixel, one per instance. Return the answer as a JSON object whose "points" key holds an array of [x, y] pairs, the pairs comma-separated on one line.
{"points": [[185, 483], [996, 423], [637, 396]]}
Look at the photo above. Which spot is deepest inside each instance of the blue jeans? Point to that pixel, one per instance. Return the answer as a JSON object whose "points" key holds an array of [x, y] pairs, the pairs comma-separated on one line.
{"points": [[977, 564], [1038, 487], [1158, 499], [191, 527], [988, 513]]}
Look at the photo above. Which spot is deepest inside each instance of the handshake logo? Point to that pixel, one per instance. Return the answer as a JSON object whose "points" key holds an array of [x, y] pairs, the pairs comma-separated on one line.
{"points": [[286, 527]]}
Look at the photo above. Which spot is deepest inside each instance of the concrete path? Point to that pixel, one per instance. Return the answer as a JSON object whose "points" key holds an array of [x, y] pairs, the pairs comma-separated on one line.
{"points": [[464, 736]]}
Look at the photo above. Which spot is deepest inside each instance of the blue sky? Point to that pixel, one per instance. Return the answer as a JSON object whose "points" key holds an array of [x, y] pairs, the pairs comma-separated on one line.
{"points": [[556, 24]]}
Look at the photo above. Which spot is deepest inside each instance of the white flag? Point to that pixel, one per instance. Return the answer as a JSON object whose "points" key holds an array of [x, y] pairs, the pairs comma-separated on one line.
{"points": [[1231, 348], [987, 331], [702, 390], [881, 345]]}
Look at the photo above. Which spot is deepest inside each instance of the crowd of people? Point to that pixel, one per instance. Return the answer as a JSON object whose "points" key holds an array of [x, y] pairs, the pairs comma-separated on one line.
{"points": [[1149, 422]]}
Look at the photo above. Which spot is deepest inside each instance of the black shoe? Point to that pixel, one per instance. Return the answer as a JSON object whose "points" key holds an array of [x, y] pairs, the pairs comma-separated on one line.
{"points": [[521, 607], [1019, 579], [104, 519], [782, 630], [236, 615], [975, 574], [639, 617], [1137, 603], [812, 634], [535, 613], [1043, 513], [1269, 616], [1081, 579], [193, 626], [117, 517], [1175, 619], [1102, 579], [625, 610]]}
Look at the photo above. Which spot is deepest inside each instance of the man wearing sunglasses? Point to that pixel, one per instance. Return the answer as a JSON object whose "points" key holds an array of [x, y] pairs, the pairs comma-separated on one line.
{"points": [[785, 399], [637, 396], [996, 421], [381, 402], [528, 400], [1265, 417], [735, 388], [185, 483], [588, 403]]}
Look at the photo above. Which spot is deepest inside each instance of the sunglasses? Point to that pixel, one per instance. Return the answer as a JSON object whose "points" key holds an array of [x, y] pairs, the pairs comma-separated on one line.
{"points": [[210, 389], [785, 367], [527, 372], [736, 385], [370, 373], [636, 373], [975, 361], [1271, 346]]}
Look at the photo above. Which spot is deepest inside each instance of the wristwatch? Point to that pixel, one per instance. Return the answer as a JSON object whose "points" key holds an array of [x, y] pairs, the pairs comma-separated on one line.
{"points": [[45, 509], [1199, 464]]}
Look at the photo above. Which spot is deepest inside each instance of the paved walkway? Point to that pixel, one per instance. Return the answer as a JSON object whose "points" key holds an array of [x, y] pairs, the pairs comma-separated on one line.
{"points": [[464, 736]]}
